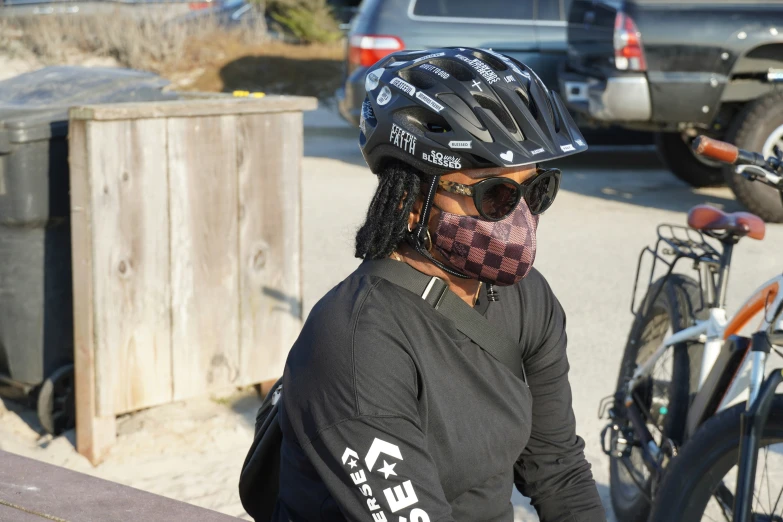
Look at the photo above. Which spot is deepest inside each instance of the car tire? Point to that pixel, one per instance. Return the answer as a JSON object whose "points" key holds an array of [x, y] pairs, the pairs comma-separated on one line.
{"points": [[750, 130], [676, 154]]}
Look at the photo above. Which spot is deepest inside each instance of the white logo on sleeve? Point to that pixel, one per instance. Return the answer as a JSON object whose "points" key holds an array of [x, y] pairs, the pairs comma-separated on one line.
{"points": [[381, 446], [400, 496], [387, 469]]}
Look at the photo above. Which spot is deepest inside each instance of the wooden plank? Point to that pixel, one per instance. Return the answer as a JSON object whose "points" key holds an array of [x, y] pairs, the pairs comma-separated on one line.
{"points": [[270, 242], [59, 494], [194, 108], [131, 264], [94, 435], [204, 245]]}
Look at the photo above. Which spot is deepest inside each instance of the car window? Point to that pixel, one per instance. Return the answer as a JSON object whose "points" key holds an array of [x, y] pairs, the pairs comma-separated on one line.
{"points": [[552, 10], [498, 9]]}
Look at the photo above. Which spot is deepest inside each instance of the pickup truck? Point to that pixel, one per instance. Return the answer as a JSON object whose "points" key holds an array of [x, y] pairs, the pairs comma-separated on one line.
{"points": [[683, 68]]}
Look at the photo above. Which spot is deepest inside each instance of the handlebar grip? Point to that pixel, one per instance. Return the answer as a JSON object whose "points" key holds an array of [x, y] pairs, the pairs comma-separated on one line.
{"points": [[715, 149]]}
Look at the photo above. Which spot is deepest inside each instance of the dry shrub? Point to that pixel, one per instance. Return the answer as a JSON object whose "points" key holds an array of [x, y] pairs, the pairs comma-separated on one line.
{"points": [[309, 21], [136, 40]]}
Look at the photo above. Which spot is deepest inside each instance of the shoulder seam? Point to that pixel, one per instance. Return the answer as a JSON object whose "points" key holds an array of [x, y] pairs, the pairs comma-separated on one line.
{"points": [[357, 409]]}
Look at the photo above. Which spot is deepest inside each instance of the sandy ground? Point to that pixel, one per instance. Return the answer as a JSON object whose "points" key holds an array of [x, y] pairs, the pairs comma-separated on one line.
{"points": [[588, 245]]}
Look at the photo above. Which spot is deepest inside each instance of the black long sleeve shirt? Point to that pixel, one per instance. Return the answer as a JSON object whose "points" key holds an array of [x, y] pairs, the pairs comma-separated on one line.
{"points": [[390, 413]]}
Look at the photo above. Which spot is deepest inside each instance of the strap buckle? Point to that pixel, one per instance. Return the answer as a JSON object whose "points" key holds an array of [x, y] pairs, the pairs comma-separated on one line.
{"points": [[435, 291]]}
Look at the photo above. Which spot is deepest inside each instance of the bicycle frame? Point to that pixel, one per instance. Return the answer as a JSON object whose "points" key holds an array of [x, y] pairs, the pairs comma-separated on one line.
{"points": [[721, 385]]}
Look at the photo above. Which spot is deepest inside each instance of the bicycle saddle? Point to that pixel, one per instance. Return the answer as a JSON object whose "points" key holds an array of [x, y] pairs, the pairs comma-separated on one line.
{"points": [[705, 217]]}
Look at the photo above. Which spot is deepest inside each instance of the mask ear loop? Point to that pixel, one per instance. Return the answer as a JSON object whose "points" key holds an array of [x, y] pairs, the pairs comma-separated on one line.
{"points": [[416, 237]]}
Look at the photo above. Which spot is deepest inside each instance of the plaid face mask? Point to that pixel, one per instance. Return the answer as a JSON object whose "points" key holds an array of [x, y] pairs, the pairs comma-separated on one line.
{"points": [[497, 252]]}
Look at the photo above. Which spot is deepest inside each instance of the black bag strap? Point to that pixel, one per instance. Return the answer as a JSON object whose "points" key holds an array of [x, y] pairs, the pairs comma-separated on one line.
{"points": [[435, 291]]}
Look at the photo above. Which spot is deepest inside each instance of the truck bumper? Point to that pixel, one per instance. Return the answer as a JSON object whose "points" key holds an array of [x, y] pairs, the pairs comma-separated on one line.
{"points": [[616, 99]]}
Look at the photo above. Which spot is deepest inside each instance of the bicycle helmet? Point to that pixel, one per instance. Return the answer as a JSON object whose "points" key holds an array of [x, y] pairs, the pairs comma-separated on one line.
{"points": [[458, 108]]}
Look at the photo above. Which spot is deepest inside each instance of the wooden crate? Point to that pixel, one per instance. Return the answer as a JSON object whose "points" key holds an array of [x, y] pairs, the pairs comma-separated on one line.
{"points": [[186, 233]]}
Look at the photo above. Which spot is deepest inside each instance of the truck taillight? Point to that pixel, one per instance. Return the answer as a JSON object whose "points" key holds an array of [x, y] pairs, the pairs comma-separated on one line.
{"points": [[628, 50], [366, 49]]}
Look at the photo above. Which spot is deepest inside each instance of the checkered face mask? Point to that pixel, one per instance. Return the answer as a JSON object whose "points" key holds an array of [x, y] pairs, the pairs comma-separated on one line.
{"points": [[496, 252]]}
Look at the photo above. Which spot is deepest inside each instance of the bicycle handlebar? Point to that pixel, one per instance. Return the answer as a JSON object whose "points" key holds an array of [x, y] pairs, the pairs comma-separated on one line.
{"points": [[727, 153]]}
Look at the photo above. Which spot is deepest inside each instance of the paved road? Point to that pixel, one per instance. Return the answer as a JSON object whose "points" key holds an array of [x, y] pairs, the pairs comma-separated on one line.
{"points": [[589, 241]]}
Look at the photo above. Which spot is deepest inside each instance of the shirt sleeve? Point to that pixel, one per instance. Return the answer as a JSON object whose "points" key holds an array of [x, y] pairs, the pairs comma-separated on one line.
{"points": [[378, 468], [552, 469], [359, 421]]}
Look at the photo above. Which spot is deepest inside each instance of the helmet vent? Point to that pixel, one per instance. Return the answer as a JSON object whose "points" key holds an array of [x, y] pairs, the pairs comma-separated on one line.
{"points": [[498, 110], [418, 79], [526, 101], [454, 68], [491, 60], [419, 119]]}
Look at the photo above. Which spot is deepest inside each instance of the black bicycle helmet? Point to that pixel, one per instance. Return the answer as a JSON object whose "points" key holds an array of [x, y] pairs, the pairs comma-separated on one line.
{"points": [[458, 108]]}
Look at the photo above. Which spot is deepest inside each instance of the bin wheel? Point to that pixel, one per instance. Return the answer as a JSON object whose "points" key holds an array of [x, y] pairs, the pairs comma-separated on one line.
{"points": [[57, 401]]}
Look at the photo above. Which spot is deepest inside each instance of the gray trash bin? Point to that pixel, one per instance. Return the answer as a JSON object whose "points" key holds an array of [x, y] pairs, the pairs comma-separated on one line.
{"points": [[36, 308]]}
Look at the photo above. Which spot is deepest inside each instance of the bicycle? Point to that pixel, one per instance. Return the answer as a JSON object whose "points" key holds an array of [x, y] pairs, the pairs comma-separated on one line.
{"points": [[703, 472], [683, 361]]}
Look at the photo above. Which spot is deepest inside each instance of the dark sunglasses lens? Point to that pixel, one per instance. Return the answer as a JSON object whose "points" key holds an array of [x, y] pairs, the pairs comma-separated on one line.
{"points": [[499, 199], [541, 193]]}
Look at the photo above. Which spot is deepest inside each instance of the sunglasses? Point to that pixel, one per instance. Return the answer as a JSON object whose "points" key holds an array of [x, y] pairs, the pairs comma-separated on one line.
{"points": [[495, 198]]}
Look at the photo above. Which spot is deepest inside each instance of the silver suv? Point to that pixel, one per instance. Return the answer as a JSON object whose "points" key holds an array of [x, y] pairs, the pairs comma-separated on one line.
{"points": [[533, 31]]}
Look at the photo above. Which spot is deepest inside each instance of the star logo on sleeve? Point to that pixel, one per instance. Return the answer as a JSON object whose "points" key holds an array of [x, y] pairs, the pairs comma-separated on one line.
{"points": [[387, 469], [352, 463]]}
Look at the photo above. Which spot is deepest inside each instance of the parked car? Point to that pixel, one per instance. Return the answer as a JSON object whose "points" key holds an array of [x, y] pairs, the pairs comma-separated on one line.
{"points": [[533, 31], [683, 68]]}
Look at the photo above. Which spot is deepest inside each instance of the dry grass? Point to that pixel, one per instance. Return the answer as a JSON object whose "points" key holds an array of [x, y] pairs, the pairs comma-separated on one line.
{"points": [[137, 41], [198, 56]]}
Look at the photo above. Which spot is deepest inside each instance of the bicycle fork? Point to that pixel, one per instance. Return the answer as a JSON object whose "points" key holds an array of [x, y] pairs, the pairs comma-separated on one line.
{"points": [[752, 425]]}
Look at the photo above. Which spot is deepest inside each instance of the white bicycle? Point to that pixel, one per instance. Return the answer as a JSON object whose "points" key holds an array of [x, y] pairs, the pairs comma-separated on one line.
{"points": [[684, 360]]}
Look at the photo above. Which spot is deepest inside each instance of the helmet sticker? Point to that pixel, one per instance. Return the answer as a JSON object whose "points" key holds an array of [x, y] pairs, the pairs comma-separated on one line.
{"points": [[507, 156], [477, 85], [567, 148], [444, 160], [432, 104], [537, 151], [403, 139], [437, 70], [372, 80], [384, 96], [510, 78], [483, 69], [404, 86], [434, 55], [580, 143], [461, 144]]}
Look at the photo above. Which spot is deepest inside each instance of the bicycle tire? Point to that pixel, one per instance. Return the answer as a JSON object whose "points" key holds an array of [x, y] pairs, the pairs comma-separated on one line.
{"points": [[703, 463], [679, 297]]}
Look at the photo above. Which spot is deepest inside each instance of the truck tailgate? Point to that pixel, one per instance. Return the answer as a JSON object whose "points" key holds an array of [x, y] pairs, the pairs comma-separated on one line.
{"points": [[591, 35]]}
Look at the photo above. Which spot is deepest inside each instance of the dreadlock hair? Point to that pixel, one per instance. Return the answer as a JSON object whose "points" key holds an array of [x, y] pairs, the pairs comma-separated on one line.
{"points": [[387, 218]]}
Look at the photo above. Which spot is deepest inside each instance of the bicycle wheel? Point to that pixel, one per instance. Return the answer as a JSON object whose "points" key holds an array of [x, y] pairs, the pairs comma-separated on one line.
{"points": [[670, 306], [699, 484]]}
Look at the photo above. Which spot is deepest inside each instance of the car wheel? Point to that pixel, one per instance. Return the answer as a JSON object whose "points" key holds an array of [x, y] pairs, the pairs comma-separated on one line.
{"points": [[675, 151], [758, 128]]}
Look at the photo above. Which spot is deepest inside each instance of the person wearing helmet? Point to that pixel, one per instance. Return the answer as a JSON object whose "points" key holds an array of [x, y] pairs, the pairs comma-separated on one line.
{"points": [[390, 412]]}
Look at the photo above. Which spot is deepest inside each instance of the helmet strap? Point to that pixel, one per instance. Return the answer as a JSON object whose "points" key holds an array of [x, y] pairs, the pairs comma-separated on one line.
{"points": [[420, 236]]}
